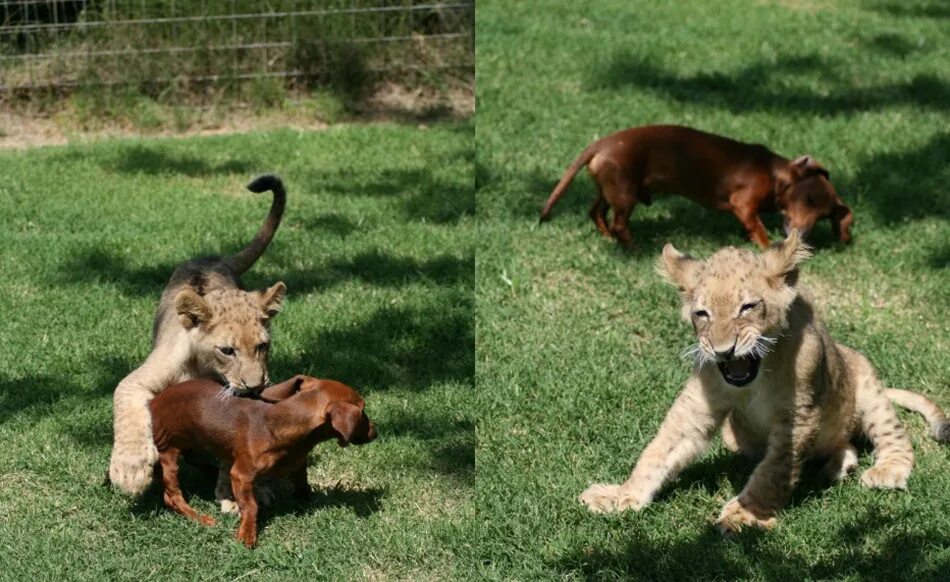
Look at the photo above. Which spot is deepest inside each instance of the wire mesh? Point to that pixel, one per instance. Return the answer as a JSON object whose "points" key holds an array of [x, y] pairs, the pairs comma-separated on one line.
{"points": [[58, 44]]}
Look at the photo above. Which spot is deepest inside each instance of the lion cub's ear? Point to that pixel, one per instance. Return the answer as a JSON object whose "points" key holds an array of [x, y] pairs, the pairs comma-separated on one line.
{"points": [[192, 309], [272, 299], [679, 268], [783, 258]]}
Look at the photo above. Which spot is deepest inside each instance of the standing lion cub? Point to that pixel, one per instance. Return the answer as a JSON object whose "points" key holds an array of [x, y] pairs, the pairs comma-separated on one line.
{"points": [[782, 390], [206, 325]]}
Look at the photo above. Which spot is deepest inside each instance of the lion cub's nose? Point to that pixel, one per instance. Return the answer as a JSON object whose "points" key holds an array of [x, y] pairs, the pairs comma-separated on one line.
{"points": [[253, 387], [725, 353]]}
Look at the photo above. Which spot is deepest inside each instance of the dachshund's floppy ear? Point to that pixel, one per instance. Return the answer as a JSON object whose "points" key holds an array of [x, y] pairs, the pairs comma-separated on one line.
{"points": [[804, 166], [345, 418], [284, 390]]}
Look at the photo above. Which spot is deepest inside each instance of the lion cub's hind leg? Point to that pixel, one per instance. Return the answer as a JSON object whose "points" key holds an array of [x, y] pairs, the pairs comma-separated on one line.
{"points": [[841, 464]]}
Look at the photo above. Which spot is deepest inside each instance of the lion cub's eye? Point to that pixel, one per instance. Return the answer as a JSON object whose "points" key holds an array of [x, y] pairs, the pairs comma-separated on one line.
{"points": [[747, 307], [701, 314], [226, 350], [263, 347]]}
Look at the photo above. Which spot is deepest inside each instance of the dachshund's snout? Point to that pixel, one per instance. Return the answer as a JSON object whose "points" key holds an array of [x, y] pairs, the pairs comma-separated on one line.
{"points": [[363, 437]]}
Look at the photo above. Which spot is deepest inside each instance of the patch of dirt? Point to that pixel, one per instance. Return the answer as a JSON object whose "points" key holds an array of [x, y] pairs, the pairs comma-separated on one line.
{"points": [[21, 129], [395, 102]]}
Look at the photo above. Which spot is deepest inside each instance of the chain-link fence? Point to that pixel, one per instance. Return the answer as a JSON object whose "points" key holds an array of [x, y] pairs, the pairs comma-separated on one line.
{"points": [[162, 46]]}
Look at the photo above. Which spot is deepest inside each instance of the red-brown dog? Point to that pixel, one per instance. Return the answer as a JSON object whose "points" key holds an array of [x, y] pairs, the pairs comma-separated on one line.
{"points": [[270, 436], [717, 172]]}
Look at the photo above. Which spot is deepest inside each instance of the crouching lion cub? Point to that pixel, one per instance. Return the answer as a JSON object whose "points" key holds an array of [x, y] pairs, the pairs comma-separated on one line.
{"points": [[206, 325], [780, 387]]}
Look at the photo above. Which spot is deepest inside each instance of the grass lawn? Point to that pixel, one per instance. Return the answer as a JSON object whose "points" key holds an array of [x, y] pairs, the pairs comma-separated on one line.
{"points": [[376, 249], [578, 346]]}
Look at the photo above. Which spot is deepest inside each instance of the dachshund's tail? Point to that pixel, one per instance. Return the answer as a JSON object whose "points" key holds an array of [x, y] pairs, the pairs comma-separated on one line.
{"points": [[566, 179]]}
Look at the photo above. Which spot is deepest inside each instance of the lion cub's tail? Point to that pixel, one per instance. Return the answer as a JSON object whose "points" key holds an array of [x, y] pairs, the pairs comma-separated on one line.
{"points": [[245, 259], [924, 406]]}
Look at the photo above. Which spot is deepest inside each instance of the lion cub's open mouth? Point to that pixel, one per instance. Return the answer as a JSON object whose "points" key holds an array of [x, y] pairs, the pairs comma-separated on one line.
{"points": [[740, 371]]}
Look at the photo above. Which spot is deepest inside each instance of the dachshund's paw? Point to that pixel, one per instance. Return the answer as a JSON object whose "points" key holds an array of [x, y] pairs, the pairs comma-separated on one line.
{"points": [[206, 519], [230, 507], [131, 471], [735, 516], [604, 498], [248, 536], [886, 477]]}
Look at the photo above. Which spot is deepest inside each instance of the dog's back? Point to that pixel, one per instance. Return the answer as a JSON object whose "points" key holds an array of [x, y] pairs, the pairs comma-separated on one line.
{"points": [[198, 414]]}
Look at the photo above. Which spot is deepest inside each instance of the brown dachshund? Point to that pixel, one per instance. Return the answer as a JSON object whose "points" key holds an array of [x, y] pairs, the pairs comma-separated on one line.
{"points": [[717, 172], [268, 436]]}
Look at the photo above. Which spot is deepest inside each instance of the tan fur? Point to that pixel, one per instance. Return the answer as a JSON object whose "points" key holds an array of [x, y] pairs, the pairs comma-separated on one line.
{"points": [[202, 309], [811, 396]]}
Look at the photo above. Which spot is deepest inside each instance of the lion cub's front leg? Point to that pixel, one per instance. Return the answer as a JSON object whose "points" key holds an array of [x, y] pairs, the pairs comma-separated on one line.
{"points": [[772, 481], [133, 452], [685, 432]]}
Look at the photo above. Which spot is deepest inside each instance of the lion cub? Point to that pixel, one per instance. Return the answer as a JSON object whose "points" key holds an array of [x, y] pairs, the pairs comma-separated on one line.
{"points": [[206, 325], [782, 390]]}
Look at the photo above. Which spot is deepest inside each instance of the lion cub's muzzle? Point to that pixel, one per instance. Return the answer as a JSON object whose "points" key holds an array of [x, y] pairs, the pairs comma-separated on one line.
{"points": [[739, 370]]}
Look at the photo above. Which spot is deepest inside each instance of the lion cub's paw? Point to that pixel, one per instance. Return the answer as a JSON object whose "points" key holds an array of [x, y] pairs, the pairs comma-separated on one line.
{"points": [[887, 477], [734, 517], [604, 498], [132, 473], [229, 506]]}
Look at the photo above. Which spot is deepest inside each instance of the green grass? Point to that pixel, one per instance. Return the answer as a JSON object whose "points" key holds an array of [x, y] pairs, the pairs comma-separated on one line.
{"points": [[376, 249], [578, 345]]}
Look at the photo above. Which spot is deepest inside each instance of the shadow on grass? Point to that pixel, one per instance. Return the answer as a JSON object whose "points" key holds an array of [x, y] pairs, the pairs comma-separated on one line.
{"points": [[42, 395], [412, 347], [902, 555], [375, 268], [420, 194], [104, 267], [198, 481], [907, 185], [154, 160], [935, 9], [753, 87], [449, 441], [660, 558], [378, 269], [893, 45], [331, 223]]}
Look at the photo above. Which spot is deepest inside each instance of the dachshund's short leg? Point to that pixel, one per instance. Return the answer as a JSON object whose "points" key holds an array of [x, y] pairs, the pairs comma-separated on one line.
{"points": [[242, 483], [298, 478], [747, 211], [620, 226], [172, 495], [598, 212], [619, 192]]}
